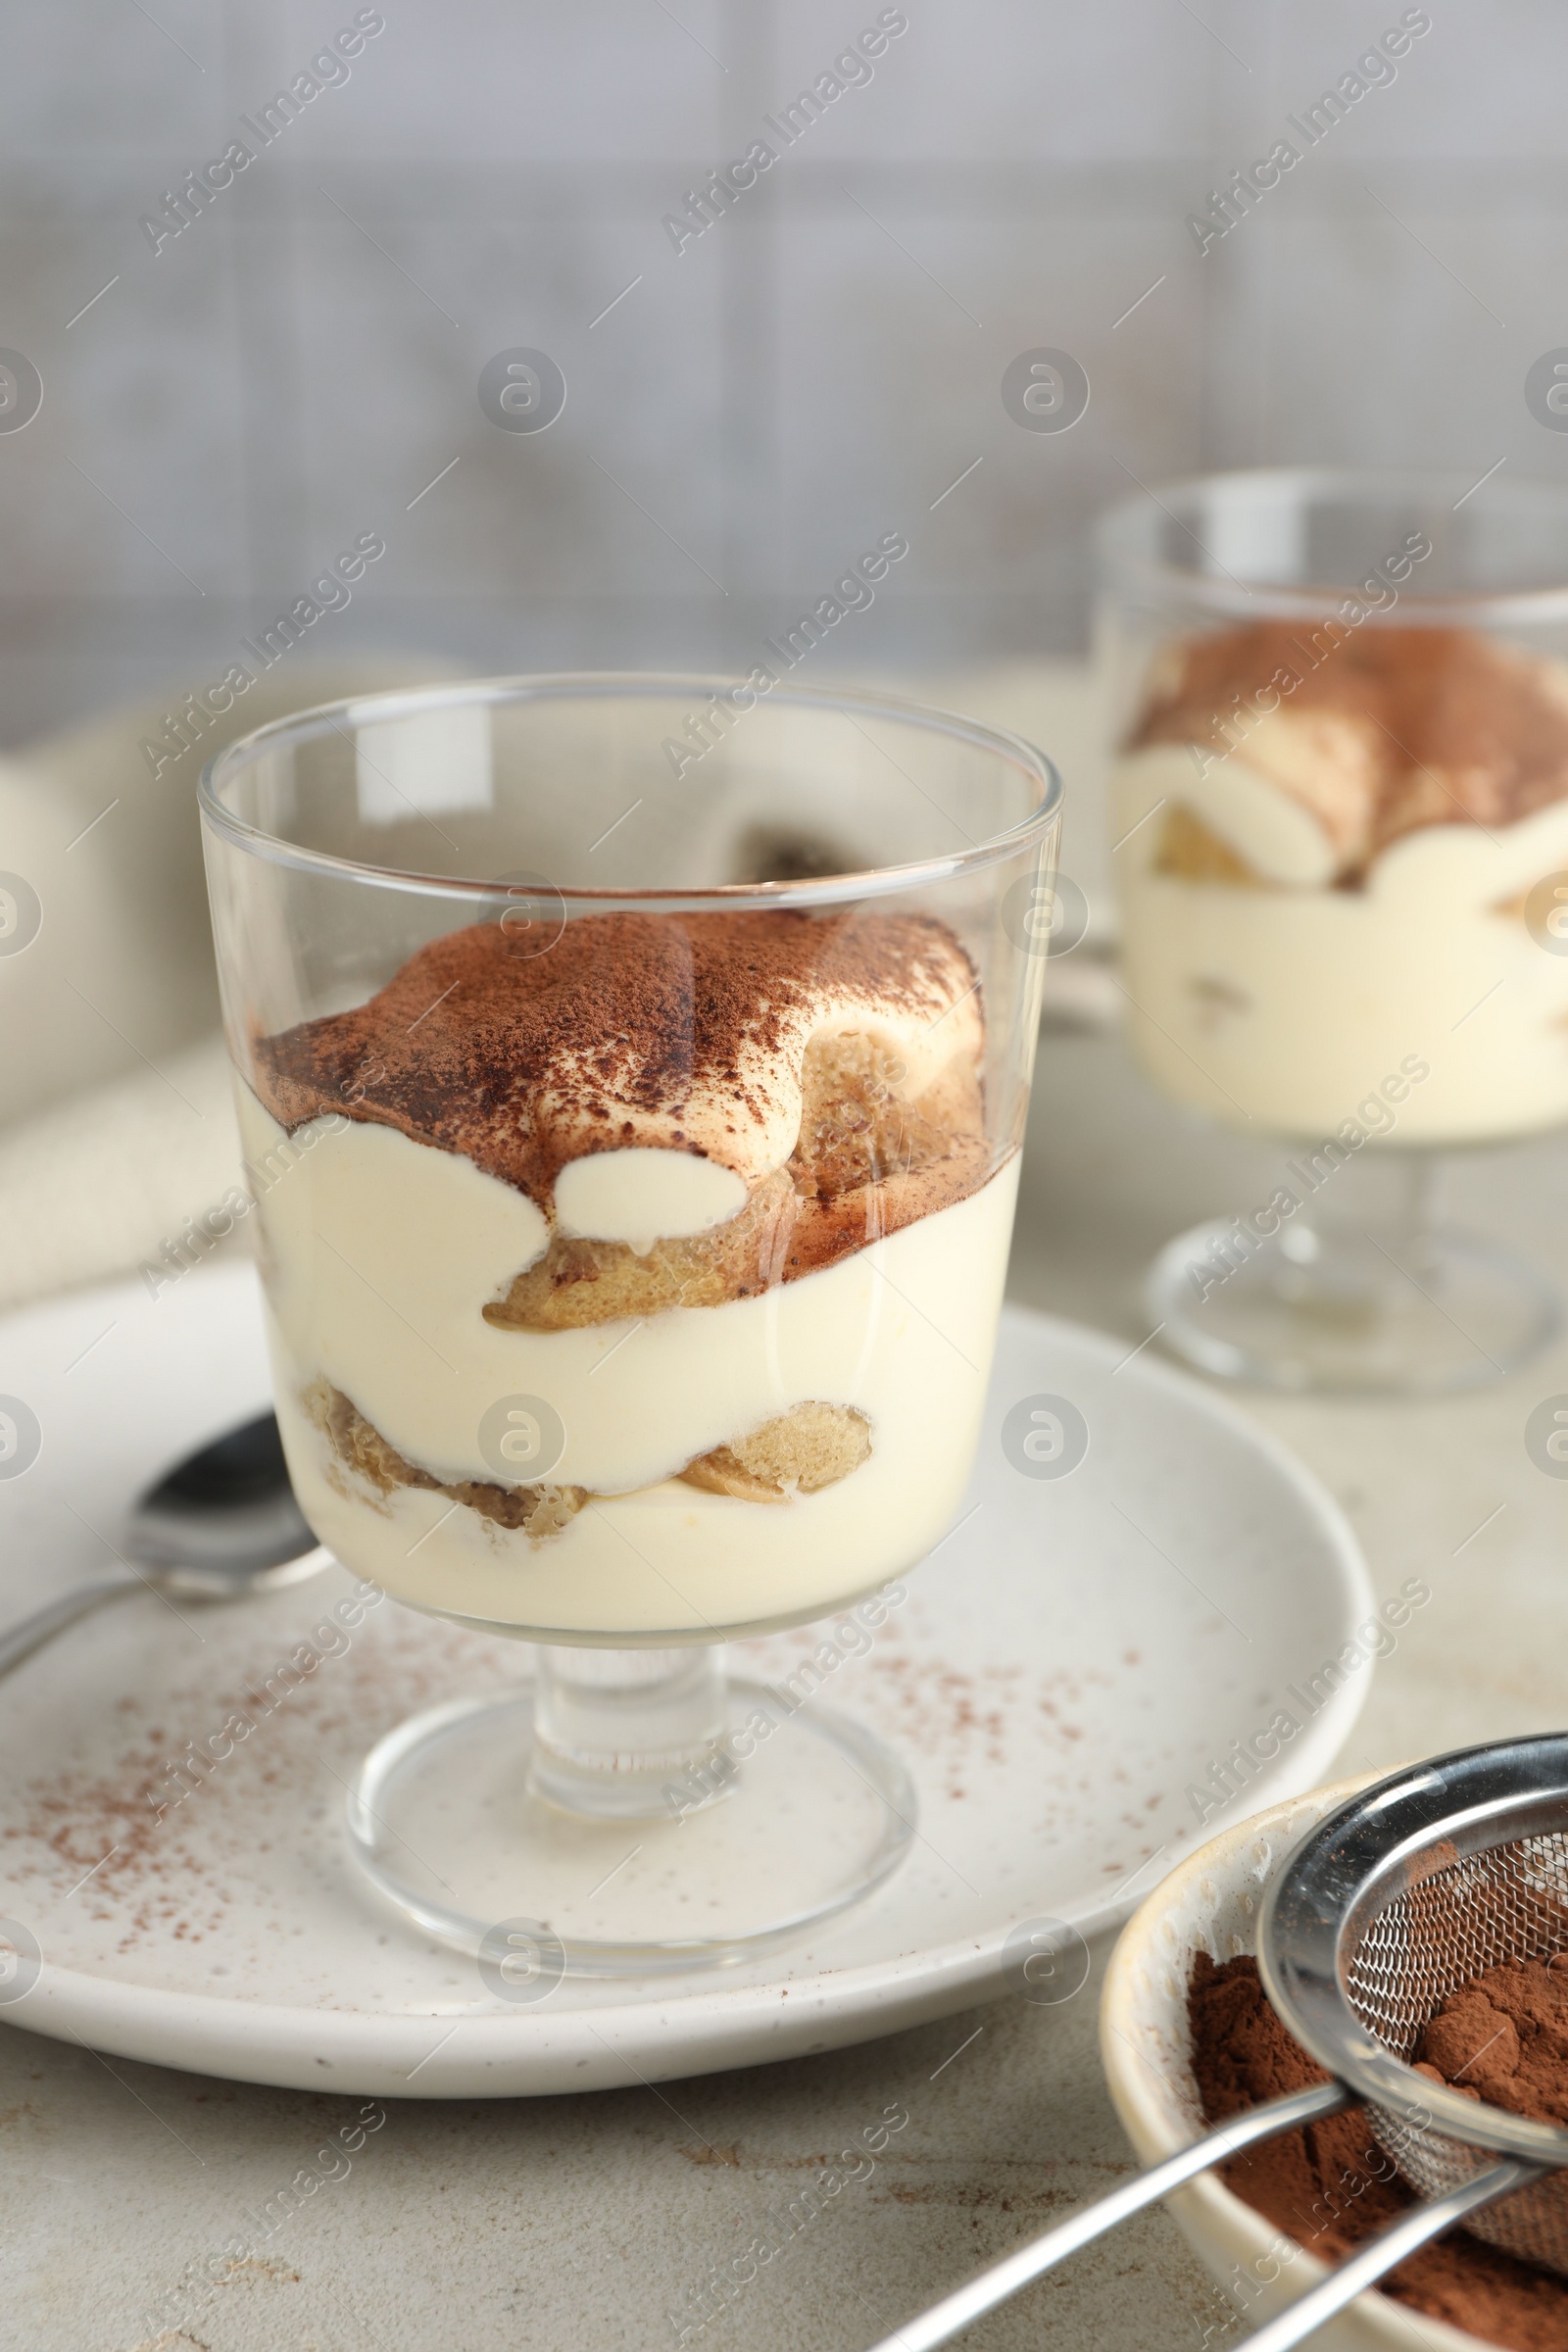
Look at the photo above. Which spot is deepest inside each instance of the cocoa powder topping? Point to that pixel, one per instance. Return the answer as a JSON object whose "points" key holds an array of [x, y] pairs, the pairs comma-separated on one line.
{"points": [[1419, 726], [680, 1031]]}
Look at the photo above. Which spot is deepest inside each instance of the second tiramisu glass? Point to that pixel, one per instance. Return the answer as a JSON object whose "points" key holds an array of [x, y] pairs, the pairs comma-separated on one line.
{"points": [[1341, 815], [631, 1075]]}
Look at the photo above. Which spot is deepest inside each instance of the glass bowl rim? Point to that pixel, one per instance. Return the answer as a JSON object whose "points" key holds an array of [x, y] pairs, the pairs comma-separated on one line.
{"points": [[1123, 567], [826, 889]]}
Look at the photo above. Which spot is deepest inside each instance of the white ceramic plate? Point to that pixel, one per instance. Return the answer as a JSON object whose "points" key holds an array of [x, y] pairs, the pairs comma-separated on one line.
{"points": [[1062, 1671]]}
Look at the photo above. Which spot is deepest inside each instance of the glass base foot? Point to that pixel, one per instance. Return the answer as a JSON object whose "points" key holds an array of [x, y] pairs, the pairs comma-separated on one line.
{"points": [[787, 1819], [1404, 1314]]}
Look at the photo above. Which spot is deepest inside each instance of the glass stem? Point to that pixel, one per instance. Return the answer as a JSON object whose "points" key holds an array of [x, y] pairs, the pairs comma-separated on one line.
{"points": [[1367, 1232], [1412, 1220], [630, 1733]]}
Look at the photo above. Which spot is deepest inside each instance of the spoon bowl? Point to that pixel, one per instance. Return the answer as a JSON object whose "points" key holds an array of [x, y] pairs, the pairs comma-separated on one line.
{"points": [[224, 1520]]}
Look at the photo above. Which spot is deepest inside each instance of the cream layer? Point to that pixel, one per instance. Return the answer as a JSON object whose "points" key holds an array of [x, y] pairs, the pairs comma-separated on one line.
{"points": [[378, 1256], [1281, 1007]]}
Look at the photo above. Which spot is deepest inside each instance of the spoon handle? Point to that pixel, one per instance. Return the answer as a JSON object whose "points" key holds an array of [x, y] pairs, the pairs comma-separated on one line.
{"points": [[53, 1618]]}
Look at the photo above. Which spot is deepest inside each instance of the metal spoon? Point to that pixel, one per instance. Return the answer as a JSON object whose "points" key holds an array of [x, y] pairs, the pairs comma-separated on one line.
{"points": [[221, 1524]]}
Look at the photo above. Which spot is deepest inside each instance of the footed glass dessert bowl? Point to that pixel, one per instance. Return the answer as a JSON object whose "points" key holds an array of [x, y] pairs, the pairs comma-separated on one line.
{"points": [[1342, 841], [632, 1073]]}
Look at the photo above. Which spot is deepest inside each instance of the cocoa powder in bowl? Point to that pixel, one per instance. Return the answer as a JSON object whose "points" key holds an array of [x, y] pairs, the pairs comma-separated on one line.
{"points": [[1504, 2037], [1330, 2187]]}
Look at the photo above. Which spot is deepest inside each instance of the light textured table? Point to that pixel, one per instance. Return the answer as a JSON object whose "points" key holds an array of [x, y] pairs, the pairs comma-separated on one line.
{"points": [[573, 2223]]}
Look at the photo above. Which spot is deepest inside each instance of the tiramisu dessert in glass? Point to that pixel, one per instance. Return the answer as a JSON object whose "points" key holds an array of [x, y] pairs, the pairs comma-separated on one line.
{"points": [[1341, 818], [632, 1073]]}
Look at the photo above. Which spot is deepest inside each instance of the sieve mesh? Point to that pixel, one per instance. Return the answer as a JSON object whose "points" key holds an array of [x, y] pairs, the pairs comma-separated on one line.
{"points": [[1461, 1915]]}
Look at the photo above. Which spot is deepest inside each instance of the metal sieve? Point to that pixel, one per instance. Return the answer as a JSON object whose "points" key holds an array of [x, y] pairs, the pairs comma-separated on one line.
{"points": [[1382, 1910]]}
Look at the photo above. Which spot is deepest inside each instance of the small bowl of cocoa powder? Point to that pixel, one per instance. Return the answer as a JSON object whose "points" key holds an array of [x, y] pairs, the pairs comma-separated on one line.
{"points": [[1188, 2039]]}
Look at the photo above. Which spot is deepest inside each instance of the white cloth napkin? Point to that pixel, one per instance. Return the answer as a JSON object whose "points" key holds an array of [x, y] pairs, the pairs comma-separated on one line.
{"points": [[117, 1125], [102, 1184], [116, 1120]]}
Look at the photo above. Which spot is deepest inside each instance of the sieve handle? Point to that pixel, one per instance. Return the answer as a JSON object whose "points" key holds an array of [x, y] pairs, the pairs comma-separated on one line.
{"points": [[1004, 2279], [1386, 2252]]}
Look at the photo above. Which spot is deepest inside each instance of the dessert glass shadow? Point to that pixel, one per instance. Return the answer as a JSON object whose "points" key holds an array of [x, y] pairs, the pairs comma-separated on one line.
{"points": [[635, 1069], [1341, 827]]}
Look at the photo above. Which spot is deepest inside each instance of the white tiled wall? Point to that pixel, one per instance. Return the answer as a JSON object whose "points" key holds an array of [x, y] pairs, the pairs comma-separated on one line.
{"points": [[818, 367]]}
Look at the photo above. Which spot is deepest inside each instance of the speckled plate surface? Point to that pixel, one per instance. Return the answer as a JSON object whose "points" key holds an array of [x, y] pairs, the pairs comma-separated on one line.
{"points": [[1062, 1672]]}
